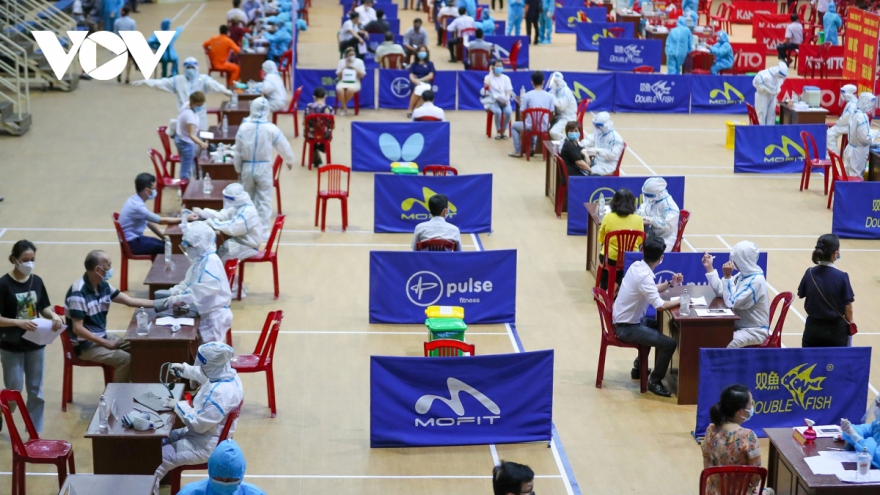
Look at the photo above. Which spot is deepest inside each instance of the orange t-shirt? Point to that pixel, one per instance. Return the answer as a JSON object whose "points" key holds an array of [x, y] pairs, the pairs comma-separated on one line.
{"points": [[219, 47]]}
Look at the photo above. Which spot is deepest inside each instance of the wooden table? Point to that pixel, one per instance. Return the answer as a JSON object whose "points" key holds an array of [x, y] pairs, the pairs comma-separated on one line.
{"points": [[159, 346], [650, 34], [123, 450], [788, 115], [551, 173], [248, 96], [227, 137], [174, 233], [234, 113], [593, 224], [789, 474], [691, 334], [251, 64], [108, 484], [158, 278], [195, 198], [218, 170], [874, 166], [634, 19]]}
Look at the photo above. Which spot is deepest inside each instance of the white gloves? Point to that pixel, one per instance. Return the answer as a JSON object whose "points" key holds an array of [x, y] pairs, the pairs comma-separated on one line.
{"points": [[170, 402], [177, 369], [847, 427], [139, 82]]}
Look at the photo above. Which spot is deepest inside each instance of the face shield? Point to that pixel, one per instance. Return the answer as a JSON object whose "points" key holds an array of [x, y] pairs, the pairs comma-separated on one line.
{"points": [[782, 70], [848, 92], [654, 189], [866, 103], [744, 256], [213, 359], [602, 121]]}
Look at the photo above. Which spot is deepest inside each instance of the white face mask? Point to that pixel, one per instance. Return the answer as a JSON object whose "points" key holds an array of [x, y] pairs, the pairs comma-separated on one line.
{"points": [[25, 268]]}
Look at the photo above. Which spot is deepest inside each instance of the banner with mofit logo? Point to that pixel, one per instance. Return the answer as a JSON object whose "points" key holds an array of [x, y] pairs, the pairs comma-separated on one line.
{"points": [[788, 385], [503, 45], [589, 189], [394, 88], [471, 400], [588, 34], [774, 149], [626, 54], [375, 145], [121, 45], [403, 284], [401, 201], [310, 79], [655, 93], [721, 94], [856, 210], [567, 18], [688, 264]]}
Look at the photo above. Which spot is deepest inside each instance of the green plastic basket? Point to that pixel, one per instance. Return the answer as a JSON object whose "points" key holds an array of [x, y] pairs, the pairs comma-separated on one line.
{"points": [[445, 328]]}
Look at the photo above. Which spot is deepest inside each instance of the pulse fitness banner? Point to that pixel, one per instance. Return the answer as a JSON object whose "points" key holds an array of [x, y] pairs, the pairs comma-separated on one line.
{"points": [[310, 79], [375, 145], [588, 34], [401, 201], [588, 189], [788, 385], [394, 89], [568, 18], [774, 149], [627, 54], [688, 264], [473, 400], [856, 210], [404, 283]]}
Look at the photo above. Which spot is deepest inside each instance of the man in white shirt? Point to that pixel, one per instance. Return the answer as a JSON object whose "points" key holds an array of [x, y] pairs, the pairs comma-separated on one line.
{"points": [[428, 109], [352, 33], [794, 36], [235, 13], [446, 10], [367, 12], [388, 47], [462, 22], [437, 227], [637, 291]]}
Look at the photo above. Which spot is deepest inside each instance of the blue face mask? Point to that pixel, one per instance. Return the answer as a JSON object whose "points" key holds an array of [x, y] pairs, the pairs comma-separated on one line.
{"points": [[191, 73], [499, 70], [423, 55], [198, 108], [108, 275], [153, 194], [224, 488], [574, 136], [751, 411]]}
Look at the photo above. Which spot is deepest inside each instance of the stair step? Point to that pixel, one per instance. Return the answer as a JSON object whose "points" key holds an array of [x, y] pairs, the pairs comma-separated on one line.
{"points": [[6, 109], [17, 126]]}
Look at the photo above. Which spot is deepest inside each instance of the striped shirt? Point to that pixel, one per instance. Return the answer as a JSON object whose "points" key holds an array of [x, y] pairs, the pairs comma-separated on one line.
{"points": [[83, 302]]}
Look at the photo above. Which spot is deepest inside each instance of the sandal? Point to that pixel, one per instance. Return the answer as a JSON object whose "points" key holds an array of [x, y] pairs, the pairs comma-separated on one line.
{"points": [[499, 137], [505, 137], [515, 155]]}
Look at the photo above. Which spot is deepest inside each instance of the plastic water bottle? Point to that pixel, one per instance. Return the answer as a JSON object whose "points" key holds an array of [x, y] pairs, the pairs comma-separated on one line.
{"points": [[224, 126], [685, 308], [103, 415], [522, 95], [207, 186], [245, 44], [234, 99], [184, 213], [168, 251], [601, 206], [143, 322], [864, 464]]}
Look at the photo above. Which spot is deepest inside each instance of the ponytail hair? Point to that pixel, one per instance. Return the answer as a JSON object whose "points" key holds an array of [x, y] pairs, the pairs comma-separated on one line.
{"points": [[825, 248], [733, 399]]}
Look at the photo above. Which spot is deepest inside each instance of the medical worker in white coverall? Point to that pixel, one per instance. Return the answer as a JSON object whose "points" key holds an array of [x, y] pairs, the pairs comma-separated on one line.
{"points": [[565, 104], [855, 156], [238, 220], [273, 87], [254, 142], [219, 394], [768, 84], [659, 211], [841, 127]]}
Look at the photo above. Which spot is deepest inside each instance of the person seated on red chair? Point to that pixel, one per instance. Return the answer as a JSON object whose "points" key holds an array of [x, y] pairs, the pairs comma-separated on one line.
{"points": [[218, 50], [388, 47], [536, 98], [794, 36], [637, 291], [237, 31], [378, 25], [437, 227], [478, 43], [318, 106], [428, 109], [350, 70], [135, 216], [621, 217], [462, 22], [604, 144], [413, 38]]}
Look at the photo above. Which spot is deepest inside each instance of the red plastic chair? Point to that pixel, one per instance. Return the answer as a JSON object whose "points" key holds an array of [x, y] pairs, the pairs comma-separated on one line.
{"points": [[644, 69], [322, 125], [561, 185], [35, 450], [775, 338], [291, 110], [699, 62], [263, 356], [838, 173], [626, 241], [616, 32], [231, 267], [753, 114], [582, 110], [392, 61], [170, 159], [536, 123], [333, 191], [276, 179], [604, 303], [471, 33], [211, 68], [175, 474], [436, 245], [357, 104], [267, 255], [478, 60], [448, 348], [490, 117], [812, 160], [616, 172], [284, 66], [704, 9], [683, 217], [514, 54], [444, 21], [427, 118], [163, 179], [71, 360], [126, 253], [735, 480], [821, 62], [439, 170]]}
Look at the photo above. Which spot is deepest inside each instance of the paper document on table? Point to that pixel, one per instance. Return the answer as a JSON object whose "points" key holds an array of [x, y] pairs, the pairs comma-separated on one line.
{"points": [[713, 312], [824, 431], [169, 321], [850, 477], [840, 455], [695, 301], [43, 335], [823, 465], [206, 135]]}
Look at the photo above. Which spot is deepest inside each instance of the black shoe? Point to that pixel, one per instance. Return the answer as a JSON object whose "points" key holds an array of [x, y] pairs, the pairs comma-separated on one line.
{"points": [[317, 160], [657, 388], [634, 373]]}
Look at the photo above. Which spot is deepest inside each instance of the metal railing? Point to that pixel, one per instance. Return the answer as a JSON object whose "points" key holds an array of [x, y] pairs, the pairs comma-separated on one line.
{"points": [[13, 76], [35, 15]]}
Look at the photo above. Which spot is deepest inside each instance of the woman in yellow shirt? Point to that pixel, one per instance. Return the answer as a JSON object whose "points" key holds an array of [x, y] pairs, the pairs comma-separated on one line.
{"points": [[622, 217]]}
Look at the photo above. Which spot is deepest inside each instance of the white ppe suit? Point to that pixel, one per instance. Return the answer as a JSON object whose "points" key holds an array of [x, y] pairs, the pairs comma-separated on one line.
{"points": [[186, 84], [220, 393], [841, 127], [746, 294], [273, 87], [659, 211], [855, 156], [608, 144], [565, 103], [768, 84], [227, 461], [239, 220], [254, 142], [205, 287]]}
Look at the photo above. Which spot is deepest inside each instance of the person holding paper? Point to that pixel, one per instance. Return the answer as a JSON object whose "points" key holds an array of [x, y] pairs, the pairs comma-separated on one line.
{"points": [[350, 70], [745, 293], [23, 298]]}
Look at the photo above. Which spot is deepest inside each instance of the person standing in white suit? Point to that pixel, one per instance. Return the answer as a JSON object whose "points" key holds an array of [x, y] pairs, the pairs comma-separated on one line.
{"points": [[768, 84], [841, 127]]}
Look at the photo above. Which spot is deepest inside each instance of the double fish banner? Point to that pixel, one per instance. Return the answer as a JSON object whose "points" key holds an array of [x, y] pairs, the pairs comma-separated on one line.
{"points": [[856, 210]]}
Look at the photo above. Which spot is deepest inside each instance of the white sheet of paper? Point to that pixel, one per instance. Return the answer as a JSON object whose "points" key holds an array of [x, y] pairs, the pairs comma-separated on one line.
{"points": [[44, 334], [695, 301], [850, 477], [713, 312], [840, 456], [822, 431], [206, 135], [823, 465], [170, 321]]}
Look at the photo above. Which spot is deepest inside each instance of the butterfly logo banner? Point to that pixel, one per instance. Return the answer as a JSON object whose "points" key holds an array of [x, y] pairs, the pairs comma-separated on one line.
{"points": [[375, 145]]}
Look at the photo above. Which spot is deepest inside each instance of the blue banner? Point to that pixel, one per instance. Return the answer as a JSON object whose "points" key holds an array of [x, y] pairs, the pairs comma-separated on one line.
{"points": [[310, 79], [403, 284], [588, 189], [573, 4], [394, 88], [721, 94], [656, 93], [788, 385], [401, 201], [853, 202], [375, 40], [569, 17], [470, 82], [688, 264], [597, 86], [627, 54], [393, 24], [471, 400], [503, 45], [375, 145], [588, 34], [773, 149]]}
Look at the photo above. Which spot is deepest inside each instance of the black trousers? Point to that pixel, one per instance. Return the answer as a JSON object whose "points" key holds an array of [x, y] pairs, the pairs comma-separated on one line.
{"points": [[825, 333], [647, 333], [529, 24], [500, 2], [451, 44], [783, 48]]}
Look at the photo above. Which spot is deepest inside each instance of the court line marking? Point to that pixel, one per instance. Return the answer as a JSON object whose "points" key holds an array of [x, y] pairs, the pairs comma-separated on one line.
{"points": [[284, 244], [330, 476], [642, 161], [202, 7], [180, 12], [669, 129], [793, 249], [787, 236], [352, 332], [495, 455], [3, 231]]}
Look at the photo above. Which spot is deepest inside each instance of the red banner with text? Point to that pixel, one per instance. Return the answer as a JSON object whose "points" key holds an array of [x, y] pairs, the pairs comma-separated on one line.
{"points": [[744, 11], [861, 48], [810, 63], [769, 30], [748, 57], [830, 91]]}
